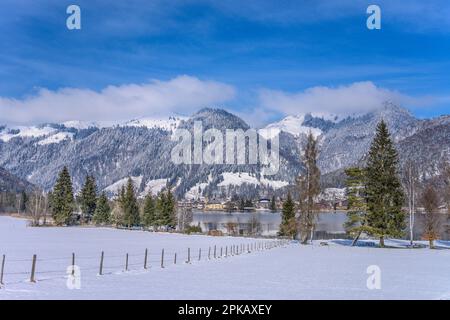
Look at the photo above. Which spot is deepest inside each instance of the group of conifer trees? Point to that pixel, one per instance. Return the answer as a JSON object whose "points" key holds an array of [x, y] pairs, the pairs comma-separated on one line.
{"points": [[375, 194], [125, 210], [92, 206], [153, 212]]}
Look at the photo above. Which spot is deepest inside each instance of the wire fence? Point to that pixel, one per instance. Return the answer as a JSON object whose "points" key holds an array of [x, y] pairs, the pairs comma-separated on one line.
{"points": [[15, 270]]}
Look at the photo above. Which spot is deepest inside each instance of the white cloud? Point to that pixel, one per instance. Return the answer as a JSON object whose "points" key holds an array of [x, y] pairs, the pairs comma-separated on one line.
{"points": [[183, 94], [359, 97]]}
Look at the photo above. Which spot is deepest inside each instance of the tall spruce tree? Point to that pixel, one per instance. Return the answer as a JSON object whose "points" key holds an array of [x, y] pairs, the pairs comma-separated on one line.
{"points": [[62, 199], [273, 204], [149, 217], [117, 212], [168, 217], [241, 205], [130, 206], [357, 203], [23, 201], [102, 214], [383, 188], [160, 208], [309, 189], [288, 225], [88, 198]]}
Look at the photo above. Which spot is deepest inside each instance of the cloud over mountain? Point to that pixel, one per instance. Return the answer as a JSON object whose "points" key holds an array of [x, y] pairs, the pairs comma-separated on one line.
{"points": [[182, 94], [356, 98]]}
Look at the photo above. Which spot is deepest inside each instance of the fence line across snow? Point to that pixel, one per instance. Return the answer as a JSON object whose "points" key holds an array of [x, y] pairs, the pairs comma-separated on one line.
{"points": [[107, 264]]}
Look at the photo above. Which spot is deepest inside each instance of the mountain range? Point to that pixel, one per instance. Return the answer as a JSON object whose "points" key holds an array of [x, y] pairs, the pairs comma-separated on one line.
{"points": [[141, 149], [11, 183]]}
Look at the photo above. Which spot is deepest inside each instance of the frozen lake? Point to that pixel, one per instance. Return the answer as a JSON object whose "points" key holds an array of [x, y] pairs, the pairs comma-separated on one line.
{"points": [[329, 225]]}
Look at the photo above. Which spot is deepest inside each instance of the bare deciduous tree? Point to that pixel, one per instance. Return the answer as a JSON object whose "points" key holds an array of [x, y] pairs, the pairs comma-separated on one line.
{"points": [[410, 179], [430, 201], [255, 224], [309, 188], [446, 175], [446, 191], [38, 207], [231, 228], [185, 217]]}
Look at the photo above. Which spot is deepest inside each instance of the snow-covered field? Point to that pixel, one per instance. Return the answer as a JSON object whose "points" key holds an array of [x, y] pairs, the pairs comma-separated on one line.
{"points": [[335, 271]]}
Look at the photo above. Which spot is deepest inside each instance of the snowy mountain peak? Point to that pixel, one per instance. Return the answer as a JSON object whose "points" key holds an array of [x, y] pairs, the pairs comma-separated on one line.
{"points": [[8, 133], [80, 125], [167, 124], [293, 125], [217, 118]]}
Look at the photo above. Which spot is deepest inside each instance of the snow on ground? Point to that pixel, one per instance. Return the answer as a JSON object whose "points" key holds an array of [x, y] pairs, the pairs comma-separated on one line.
{"points": [[168, 124], [116, 186], [25, 132], [292, 272], [290, 124], [330, 194], [154, 186], [56, 138], [237, 179], [80, 125], [196, 191], [275, 184]]}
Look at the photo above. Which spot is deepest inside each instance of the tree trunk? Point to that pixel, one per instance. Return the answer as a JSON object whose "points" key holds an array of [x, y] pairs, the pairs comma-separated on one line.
{"points": [[431, 243], [355, 240], [304, 238], [411, 219], [382, 241]]}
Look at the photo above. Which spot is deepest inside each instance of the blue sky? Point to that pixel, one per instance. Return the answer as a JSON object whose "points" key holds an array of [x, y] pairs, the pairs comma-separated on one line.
{"points": [[260, 59]]}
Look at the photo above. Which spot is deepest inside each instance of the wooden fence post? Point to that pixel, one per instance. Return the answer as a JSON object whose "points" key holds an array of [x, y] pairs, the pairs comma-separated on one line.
{"points": [[189, 255], [126, 262], [145, 258], [199, 254], [33, 269], [209, 253], [3, 269], [214, 251], [175, 258], [162, 258], [221, 252], [73, 263], [226, 251], [101, 263]]}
